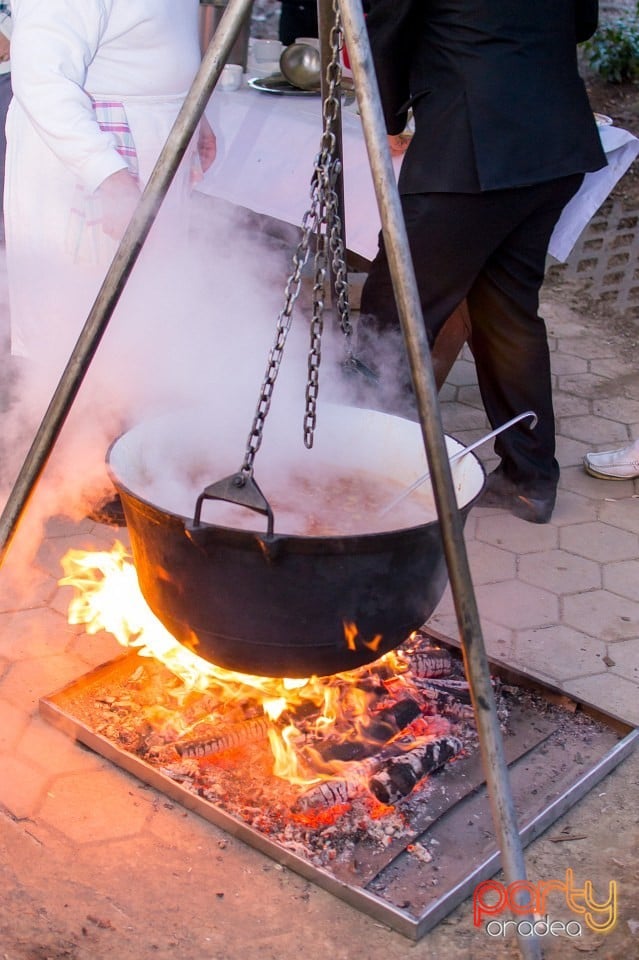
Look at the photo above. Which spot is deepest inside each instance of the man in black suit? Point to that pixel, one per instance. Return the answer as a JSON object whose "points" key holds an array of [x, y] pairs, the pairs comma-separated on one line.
{"points": [[503, 136]]}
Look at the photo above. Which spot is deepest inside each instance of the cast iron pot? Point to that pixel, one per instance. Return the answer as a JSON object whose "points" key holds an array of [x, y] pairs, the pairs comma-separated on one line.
{"points": [[279, 604]]}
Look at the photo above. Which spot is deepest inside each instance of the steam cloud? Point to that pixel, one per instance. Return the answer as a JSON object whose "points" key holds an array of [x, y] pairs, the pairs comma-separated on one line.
{"points": [[194, 326]]}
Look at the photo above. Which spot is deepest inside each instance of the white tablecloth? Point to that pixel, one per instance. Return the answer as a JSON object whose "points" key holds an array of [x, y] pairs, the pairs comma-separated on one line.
{"points": [[267, 144]]}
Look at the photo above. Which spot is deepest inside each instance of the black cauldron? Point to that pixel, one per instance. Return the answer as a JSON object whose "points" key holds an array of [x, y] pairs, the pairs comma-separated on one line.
{"points": [[282, 605]]}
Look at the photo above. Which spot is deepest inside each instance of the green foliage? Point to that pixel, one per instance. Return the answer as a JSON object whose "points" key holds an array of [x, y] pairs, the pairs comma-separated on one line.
{"points": [[613, 51]]}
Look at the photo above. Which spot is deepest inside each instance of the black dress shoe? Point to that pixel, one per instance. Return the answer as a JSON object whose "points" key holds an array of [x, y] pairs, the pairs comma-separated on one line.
{"points": [[531, 505], [109, 512]]}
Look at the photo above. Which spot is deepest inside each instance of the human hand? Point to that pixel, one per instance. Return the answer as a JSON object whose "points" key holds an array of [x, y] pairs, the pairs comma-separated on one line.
{"points": [[120, 195], [5, 48], [206, 144], [398, 143]]}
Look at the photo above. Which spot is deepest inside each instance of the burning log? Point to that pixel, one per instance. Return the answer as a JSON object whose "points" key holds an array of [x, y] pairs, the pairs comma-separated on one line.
{"points": [[430, 662], [328, 793], [427, 753], [446, 702], [384, 725], [234, 735], [396, 776]]}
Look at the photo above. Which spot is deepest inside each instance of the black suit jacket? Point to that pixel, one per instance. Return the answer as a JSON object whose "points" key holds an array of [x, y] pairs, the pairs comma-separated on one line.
{"points": [[494, 86]]}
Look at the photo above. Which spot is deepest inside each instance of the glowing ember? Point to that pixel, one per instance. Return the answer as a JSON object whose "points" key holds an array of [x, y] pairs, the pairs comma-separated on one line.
{"points": [[369, 732]]}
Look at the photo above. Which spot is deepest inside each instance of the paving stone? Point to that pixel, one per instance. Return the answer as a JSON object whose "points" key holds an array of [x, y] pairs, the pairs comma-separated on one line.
{"points": [[34, 633], [573, 508], [447, 394], [61, 526], [586, 385], [471, 396], [562, 323], [617, 696], [51, 750], [631, 388], [17, 593], [517, 605], [95, 649], [593, 430], [498, 639], [599, 541], [602, 615], [622, 409], [23, 788], [623, 659], [13, 722], [489, 564], [29, 680], [622, 578], [587, 346], [51, 552], [571, 452], [563, 363], [510, 533], [576, 479], [464, 418], [99, 803], [558, 653], [622, 512], [462, 373], [566, 405], [614, 366], [559, 572]]}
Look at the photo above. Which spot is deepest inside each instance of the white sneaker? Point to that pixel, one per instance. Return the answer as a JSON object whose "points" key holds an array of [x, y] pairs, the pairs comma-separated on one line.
{"points": [[622, 464]]}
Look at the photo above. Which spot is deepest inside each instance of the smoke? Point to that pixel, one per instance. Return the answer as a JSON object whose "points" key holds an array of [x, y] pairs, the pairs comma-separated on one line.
{"points": [[194, 327]]}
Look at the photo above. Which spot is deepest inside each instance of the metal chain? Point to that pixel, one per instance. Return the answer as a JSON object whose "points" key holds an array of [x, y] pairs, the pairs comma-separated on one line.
{"points": [[322, 221], [291, 293], [329, 240]]}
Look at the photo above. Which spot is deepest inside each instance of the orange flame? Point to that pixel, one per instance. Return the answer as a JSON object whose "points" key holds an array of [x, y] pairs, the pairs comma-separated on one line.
{"points": [[352, 636], [108, 598]]}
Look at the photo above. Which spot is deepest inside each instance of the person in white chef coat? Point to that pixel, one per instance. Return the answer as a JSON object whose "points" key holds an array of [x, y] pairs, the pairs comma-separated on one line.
{"points": [[97, 87]]}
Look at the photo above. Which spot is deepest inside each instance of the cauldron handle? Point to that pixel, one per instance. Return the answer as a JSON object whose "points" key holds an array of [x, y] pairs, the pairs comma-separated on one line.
{"points": [[240, 489]]}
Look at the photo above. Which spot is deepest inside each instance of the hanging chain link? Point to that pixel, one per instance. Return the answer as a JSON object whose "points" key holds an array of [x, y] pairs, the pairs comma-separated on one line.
{"points": [[321, 220], [330, 242]]}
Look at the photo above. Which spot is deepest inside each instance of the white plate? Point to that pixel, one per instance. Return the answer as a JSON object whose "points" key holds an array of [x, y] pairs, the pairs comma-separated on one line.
{"points": [[277, 84]]}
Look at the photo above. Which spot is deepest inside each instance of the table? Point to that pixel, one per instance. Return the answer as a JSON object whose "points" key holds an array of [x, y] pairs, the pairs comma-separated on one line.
{"points": [[267, 144]]}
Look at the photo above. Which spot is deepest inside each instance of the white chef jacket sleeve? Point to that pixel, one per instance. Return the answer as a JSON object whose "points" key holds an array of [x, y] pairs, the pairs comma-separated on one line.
{"points": [[52, 46], [6, 24]]}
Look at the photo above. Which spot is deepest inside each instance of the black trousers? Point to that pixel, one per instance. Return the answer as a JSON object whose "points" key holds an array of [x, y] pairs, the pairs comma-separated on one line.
{"points": [[489, 248], [297, 19]]}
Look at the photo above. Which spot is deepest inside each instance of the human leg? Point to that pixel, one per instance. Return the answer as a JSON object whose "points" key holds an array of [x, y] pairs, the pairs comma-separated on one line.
{"points": [[510, 344], [445, 265]]}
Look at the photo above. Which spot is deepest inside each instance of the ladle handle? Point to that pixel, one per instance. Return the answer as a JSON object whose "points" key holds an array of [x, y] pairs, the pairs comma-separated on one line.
{"points": [[461, 453], [240, 489]]}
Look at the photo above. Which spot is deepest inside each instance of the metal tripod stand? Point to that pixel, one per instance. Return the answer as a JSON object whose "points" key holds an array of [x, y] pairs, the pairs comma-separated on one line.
{"points": [[476, 664]]}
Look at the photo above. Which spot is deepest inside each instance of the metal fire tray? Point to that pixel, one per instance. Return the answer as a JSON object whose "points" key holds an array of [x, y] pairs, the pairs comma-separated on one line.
{"points": [[555, 756]]}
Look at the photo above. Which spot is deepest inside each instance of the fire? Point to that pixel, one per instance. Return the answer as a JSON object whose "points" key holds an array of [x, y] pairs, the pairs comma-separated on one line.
{"points": [[108, 598], [352, 637]]}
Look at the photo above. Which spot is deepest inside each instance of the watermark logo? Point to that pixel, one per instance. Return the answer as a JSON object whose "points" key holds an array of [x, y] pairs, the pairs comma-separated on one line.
{"points": [[492, 898]]}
